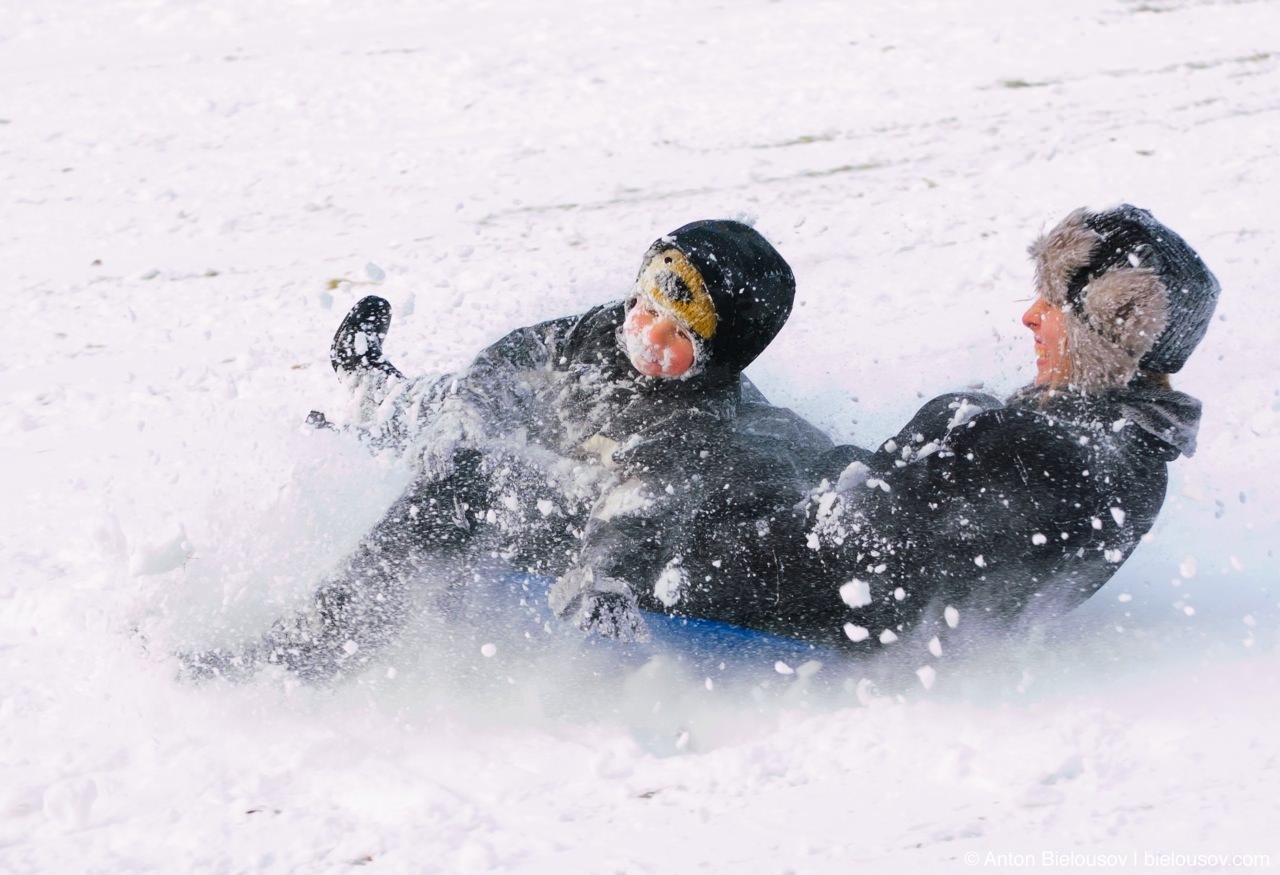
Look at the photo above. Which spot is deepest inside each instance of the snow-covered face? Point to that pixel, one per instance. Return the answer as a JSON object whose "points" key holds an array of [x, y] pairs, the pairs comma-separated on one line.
{"points": [[657, 343], [1049, 326]]}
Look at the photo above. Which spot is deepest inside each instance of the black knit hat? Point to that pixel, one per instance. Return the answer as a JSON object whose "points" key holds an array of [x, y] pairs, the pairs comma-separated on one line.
{"points": [[726, 283], [1136, 296]]}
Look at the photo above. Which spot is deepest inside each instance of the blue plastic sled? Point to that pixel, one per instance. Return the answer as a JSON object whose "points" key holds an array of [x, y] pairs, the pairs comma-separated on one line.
{"points": [[518, 602]]}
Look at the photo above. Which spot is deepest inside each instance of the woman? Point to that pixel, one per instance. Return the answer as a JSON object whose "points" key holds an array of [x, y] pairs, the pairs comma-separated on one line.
{"points": [[982, 515]]}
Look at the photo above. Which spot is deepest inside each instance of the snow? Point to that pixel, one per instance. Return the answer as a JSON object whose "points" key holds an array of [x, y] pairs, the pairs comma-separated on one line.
{"points": [[670, 585], [856, 593], [193, 194]]}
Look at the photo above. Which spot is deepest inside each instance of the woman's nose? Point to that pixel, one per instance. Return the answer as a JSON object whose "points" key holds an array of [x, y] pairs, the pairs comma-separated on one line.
{"points": [[1031, 318]]}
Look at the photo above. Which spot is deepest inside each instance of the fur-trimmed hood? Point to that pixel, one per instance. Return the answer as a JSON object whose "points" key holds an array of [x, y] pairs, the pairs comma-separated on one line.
{"points": [[1135, 295]]}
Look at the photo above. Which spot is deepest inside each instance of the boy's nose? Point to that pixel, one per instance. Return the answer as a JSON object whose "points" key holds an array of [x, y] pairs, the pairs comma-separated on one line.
{"points": [[662, 328]]}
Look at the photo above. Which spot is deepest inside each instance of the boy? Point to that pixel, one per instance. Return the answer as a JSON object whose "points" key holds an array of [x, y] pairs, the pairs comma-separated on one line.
{"points": [[589, 449]]}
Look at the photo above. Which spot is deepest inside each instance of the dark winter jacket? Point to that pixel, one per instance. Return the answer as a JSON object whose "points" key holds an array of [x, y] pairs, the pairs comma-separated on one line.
{"points": [[980, 515]]}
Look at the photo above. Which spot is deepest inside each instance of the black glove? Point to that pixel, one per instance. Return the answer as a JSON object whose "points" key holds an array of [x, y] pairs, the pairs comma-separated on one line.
{"points": [[611, 615], [357, 344], [603, 606]]}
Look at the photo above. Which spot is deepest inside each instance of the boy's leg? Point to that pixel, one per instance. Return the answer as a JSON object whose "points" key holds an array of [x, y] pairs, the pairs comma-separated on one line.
{"points": [[360, 610]]}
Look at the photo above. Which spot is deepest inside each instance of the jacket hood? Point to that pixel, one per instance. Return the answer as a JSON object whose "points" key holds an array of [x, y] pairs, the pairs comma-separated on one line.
{"points": [[1173, 417], [725, 282], [1169, 416]]}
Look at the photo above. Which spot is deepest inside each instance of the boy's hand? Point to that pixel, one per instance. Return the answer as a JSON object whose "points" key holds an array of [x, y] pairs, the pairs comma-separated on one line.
{"points": [[604, 606], [611, 615]]}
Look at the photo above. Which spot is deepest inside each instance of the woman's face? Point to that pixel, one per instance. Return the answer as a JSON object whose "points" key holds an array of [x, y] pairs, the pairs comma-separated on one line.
{"points": [[1049, 326], [656, 342]]}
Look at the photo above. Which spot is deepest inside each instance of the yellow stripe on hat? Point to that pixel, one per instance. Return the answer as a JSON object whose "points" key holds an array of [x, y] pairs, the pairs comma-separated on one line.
{"points": [[676, 285]]}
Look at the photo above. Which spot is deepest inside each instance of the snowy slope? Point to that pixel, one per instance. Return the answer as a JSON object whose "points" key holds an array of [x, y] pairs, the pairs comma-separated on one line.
{"points": [[184, 179]]}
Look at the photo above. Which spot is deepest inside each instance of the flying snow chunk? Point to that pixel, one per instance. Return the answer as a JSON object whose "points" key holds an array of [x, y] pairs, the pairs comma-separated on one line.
{"points": [[1187, 567], [927, 676], [1039, 540], [782, 668], [952, 616], [854, 475], [488, 650], [856, 633], [1117, 514], [671, 585], [808, 668], [935, 646], [887, 637], [824, 504], [162, 556], [623, 500], [980, 561], [965, 411], [856, 593]]}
